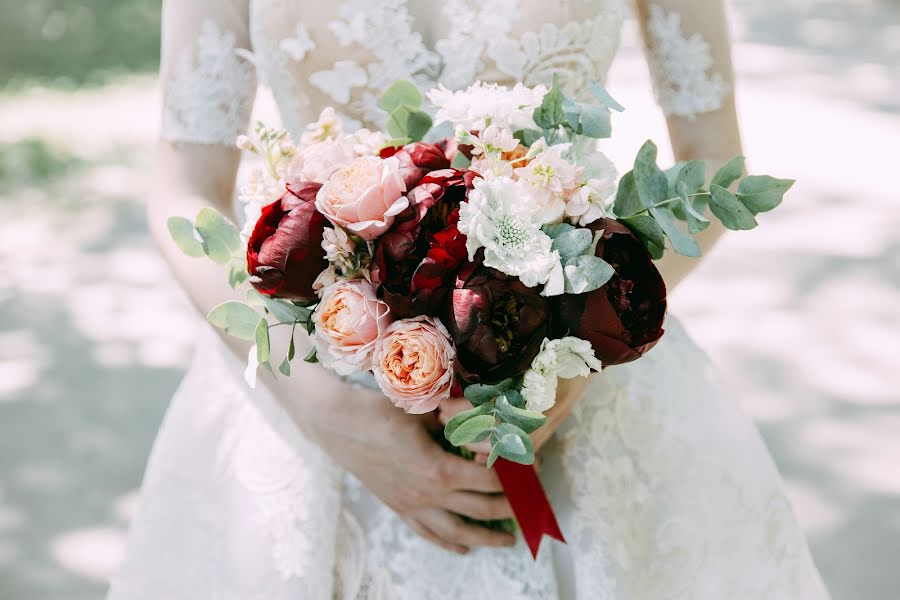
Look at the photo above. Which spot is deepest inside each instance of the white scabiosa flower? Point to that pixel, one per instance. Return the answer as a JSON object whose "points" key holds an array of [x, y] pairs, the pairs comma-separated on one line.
{"points": [[564, 358], [504, 217]]}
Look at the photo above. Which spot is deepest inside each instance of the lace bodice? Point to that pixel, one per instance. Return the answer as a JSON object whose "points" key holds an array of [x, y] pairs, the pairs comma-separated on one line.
{"points": [[346, 53]]}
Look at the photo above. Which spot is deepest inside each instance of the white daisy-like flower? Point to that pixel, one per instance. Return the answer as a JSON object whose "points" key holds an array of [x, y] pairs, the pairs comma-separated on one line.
{"points": [[493, 141], [564, 358], [505, 217], [483, 104], [328, 125]]}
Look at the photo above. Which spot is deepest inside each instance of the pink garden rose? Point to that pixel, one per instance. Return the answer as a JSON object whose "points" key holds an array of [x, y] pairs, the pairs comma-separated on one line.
{"points": [[364, 196], [349, 319], [319, 160], [413, 364]]}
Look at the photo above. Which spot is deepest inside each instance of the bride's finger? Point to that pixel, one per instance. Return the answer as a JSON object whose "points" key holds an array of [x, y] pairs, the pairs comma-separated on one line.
{"points": [[426, 533], [482, 507], [452, 407], [452, 528]]}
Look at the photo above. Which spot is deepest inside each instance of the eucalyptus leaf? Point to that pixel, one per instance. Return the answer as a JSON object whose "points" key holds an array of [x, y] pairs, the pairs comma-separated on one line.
{"points": [[651, 183], [691, 177], [585, 274], [556, 230], [479, 393], [261, 335], [656, 252], [628, 202], [600, 93], [460, 161], [761, 193], [220, 236], [513, 444], [495, 454], [285, 367], [290, 352], [572, 114], [235, 318], [696, 221], [400, 93], [528, 136], [527, 420], [182, 232], [550, 113], [646, 228], [237, 272], [729, 209], [595, 122], [512, 450], [460, 418], [408, 122], [514, 397], [284, 311], [311, 356], [472, 429], [572, 243], [729, 172], [682, 243]]}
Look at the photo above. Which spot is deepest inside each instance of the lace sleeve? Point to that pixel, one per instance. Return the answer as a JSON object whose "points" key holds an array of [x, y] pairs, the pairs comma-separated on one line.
{"points": [[688, 52], [208, 85]]}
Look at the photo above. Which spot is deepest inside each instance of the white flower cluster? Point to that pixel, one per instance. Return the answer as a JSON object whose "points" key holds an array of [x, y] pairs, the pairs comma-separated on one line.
{"points": [[484, 104], [565, 358]]}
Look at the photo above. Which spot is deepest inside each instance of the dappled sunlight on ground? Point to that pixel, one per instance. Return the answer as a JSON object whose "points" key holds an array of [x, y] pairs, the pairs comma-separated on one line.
{"points": [[802, 315]]}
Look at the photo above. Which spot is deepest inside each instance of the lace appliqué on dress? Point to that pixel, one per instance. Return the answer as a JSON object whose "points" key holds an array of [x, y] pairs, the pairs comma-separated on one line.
{"points": [[679, 66], [210, 91]]}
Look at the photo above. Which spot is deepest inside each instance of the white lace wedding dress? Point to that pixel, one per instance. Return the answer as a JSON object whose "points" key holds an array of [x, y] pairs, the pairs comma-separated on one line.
{"points": [[663, 488]]}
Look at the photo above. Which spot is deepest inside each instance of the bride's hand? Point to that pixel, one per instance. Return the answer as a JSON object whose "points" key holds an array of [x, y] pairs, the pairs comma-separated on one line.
{"points": [[397, 458], [568, 392]]}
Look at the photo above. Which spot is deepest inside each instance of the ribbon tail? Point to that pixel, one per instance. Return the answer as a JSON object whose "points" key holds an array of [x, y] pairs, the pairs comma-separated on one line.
{"points": [[529, 503]]}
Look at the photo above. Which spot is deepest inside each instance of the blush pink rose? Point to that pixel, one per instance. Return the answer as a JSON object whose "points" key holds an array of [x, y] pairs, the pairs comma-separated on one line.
{"points": [[413, 364], [348, 319], [364, 196], [319, 160]]}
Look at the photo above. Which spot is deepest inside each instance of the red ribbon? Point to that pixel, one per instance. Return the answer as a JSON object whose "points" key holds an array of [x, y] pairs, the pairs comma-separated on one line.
{"points": [[529, 503]]}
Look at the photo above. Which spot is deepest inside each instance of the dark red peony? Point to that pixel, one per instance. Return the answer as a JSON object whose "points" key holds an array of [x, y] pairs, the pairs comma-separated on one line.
{"points": [[416, 160], [497, 323], [284, 254], [623, 319], [417, 259]]}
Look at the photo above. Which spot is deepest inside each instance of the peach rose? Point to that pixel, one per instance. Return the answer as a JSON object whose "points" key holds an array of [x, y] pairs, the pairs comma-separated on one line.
{"points": [[413, 364], [364, 196], [348, 320], [319, 160]]}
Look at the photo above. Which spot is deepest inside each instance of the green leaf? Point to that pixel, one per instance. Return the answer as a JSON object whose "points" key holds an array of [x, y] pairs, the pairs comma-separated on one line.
{"points": [[682, 243], [691, 177], [521, 450], [549, 114], [527, 420], [650, 181], [479, 393], [528, 136], [556, 230], [182, 232], [729, 210], [595, 122], [572, 114], [400, 93], [263, 350], [572, 243], [495, 454], [761, 193], [290, 352], [585, 274], [220, 236], [285, 367], [311, 357], [459, 419], [600, 93], [284, 311], [236, 318], [696, 222], [472, 429], [408, 122], [656, 252], [646, 228], [729, 172], [627, 200], [460, 161], [237, 272], [514, 398]]}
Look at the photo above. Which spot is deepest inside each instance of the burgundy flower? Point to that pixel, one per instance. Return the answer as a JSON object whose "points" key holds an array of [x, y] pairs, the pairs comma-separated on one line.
{"points": [[417, 258], [623, 319], [284, 254], [416, 160], [497, 323]]}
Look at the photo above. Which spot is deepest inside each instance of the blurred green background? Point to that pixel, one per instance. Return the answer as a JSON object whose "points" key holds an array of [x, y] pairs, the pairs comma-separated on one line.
{"points": [[801, 315]]}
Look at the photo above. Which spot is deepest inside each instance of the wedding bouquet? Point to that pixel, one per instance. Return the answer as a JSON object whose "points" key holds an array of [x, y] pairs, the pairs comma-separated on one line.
{"points": [[486, 264]]}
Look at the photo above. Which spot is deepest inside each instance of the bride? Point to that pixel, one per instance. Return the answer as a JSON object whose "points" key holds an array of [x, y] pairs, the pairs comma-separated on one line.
{"points": [[310, 488]]}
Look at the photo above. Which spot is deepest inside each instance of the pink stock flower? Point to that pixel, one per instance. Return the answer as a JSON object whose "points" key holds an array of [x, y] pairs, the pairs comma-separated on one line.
{"points": [[348, 320], [319, 160], [413, 364], [364, 196]]}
